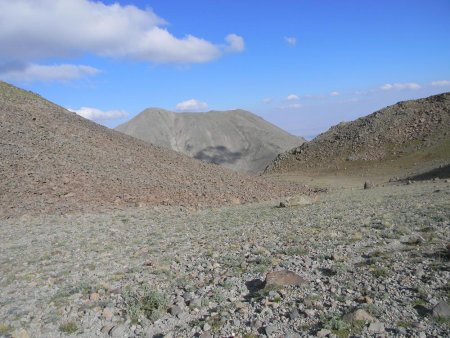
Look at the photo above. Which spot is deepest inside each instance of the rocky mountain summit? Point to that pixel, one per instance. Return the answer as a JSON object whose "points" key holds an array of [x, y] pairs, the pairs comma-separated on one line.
{"points": [[410, 131], [236, 139], [53, 160]]}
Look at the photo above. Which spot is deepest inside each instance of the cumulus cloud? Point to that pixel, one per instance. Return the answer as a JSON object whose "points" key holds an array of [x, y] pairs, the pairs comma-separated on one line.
{"points": [[292, 97], [31, 30], [400, 86], [334, 93], [235, 43], [30, 72], [192, 105], [99, 115], [440, 83], [291, 40]]}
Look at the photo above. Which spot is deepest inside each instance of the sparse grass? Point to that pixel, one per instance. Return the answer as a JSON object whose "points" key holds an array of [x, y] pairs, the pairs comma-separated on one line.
{"points": [[438, 218], [443, 321], [421, 292], [400, 231], [232, 261], [380, 272], [373, 310], [263, 293], [61, 297], [337, 326], [183, 282], [357, 236], [311, 300], [379, 254], [250, 335], [296, 251], [418, 302], [218, 296], [145, 302], [228, 284], [403, 323], [339, 268], [261, 265], [5, 329], [341, 328], [68, 327], [215, 323]]}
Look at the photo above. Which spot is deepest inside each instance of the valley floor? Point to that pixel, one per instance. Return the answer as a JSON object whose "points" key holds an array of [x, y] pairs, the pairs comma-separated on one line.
{"points": [[175, 273]]}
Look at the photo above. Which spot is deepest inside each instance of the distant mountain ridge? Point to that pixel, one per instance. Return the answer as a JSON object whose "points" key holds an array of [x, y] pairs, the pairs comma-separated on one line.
{"points": [[236, 139], [415, 131], [55, 161]]}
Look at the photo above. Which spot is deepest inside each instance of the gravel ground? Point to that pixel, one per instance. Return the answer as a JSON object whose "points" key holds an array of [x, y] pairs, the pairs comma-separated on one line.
{"points": [[178, 273]]}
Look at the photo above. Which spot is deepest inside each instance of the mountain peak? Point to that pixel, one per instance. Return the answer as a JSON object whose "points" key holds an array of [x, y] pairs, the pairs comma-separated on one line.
{"points": [[237, 139]]}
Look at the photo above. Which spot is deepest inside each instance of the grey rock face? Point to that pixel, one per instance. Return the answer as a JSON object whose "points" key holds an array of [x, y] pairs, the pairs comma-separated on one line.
{"points": [[441, 310], [236, 139]]}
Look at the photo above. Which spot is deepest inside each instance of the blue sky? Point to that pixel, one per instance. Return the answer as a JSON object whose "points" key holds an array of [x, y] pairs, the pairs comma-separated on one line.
{"points": [[302, 65]]}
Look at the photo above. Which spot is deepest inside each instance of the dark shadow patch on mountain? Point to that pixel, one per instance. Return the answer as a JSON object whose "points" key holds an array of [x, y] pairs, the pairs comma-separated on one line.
{"points": [[218, 155], [441, 172]]}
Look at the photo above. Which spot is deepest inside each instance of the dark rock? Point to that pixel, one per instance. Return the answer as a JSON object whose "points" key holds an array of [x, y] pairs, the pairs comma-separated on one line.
{"points": [[175, 310], [294, 314], [368, 185]]}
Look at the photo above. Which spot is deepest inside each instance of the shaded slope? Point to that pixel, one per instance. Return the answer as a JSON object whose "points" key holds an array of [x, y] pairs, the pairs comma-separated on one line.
{"points": [[53, 160], [236, 139], [410, 135]]}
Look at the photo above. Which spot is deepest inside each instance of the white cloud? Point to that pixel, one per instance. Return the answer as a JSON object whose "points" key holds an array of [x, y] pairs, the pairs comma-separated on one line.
{"points": [[291, 40], [292, 97], [400, 86], [334, 93], [267, 100], [192, 105], [31, 72], [441, 83], [292, 106], [31, 30], [235, 43], [99, 115]]}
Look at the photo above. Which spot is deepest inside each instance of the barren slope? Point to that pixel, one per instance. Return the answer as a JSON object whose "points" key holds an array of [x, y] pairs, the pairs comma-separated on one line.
{"points": [[236, 139], [411, 135], [54, 160], [170, 273]]}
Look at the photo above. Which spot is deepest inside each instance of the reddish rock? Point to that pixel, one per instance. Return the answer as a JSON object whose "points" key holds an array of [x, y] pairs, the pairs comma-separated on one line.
{"points": [[94, 296], [283, 278]]}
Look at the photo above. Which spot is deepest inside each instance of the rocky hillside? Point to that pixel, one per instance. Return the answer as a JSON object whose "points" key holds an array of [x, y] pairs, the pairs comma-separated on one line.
{"points": [[414, 131], [53, 160], [236, 139]]}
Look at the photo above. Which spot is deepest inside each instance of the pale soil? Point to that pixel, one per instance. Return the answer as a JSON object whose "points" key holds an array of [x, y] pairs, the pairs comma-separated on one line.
{"points": [[388, 244]]}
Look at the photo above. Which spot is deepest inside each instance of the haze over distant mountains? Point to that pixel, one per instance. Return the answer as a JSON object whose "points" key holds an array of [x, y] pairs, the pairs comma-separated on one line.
{"points": [[236, 139], [411, 135], [53, 160]]}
